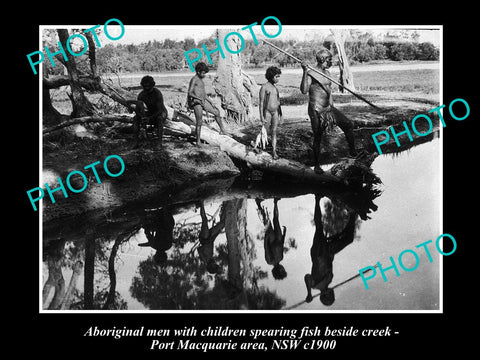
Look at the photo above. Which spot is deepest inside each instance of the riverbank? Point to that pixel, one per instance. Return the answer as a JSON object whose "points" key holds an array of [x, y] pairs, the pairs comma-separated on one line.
{"points": [[400, 93]]}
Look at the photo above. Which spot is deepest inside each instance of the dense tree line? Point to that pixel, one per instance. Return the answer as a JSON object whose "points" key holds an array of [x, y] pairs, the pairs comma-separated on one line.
{"points": [[169, 55]]}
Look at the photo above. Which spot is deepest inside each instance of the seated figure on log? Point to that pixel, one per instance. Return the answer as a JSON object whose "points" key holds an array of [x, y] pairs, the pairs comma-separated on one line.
{"points": [[149, 110]]}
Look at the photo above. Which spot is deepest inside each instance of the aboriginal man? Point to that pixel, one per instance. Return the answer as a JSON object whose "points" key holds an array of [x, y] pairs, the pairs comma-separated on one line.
{"points": [[321, 111], [150, 110]]}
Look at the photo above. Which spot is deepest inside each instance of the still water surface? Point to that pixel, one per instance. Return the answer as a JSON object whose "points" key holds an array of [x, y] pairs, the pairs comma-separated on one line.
{"points": [[159, 263]]}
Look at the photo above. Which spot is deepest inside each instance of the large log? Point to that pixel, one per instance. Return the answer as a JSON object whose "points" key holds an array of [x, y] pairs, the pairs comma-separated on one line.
{"points": [[288, 169]]}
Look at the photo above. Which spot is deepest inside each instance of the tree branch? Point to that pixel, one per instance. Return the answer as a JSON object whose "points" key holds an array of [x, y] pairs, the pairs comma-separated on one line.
{"points": [[125, 118]]}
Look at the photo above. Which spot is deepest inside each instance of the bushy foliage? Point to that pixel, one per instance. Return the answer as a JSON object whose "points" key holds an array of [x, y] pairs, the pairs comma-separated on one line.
{"points": [[169, 55]]}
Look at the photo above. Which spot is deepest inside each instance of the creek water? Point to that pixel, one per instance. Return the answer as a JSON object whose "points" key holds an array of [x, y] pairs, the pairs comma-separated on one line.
{"points": [[159, 262]]}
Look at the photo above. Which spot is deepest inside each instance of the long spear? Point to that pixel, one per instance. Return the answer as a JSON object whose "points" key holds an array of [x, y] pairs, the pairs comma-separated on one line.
{"points": [[318, 294], [324, 75]]}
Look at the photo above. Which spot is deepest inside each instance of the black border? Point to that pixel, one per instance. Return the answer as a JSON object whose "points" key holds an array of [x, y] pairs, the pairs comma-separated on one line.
{"points": [[419, 334]]}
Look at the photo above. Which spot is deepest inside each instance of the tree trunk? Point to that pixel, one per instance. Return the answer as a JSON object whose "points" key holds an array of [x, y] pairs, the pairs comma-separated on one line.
{"points": [[234, 87], [67, 301], [92, 54], [111, 273], [346, 77], [81, 105], [89, 272], [235, 231]]}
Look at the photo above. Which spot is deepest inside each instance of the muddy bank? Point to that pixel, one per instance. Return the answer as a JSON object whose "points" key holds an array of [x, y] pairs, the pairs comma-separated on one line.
{"points": [[149, 172]]}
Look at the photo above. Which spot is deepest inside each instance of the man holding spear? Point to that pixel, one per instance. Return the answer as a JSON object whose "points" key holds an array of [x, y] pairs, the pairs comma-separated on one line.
{"points": [[318, 82], [321, 111]]}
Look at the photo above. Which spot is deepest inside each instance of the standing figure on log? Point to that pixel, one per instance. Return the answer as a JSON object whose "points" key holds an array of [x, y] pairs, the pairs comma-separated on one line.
{"points": [[269, 104], [150, 110], [321, 111], [198, 101]]}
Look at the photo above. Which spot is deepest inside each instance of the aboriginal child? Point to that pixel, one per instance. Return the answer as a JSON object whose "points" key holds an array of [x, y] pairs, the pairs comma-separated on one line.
{"points": [[197, 100], [269, 104]]}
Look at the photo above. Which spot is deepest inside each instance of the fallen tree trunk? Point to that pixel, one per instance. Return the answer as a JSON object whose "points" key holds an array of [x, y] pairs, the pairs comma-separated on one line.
{"points": [[263, 161]]}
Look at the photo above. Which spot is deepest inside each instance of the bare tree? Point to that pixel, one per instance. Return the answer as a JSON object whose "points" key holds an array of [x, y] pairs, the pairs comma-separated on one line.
{"points": [[346, 77], [81, 105], [235, 87], [78, 81]]}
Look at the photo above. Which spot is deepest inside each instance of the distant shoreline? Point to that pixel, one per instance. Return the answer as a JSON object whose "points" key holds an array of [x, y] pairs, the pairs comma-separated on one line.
{"points": [[387, 66]]}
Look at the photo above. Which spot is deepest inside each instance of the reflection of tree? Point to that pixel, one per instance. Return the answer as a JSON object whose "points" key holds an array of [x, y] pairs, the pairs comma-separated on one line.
{"points": [[98, 265], [184, 283], [113, 299], [335, 216], [55, 260]]}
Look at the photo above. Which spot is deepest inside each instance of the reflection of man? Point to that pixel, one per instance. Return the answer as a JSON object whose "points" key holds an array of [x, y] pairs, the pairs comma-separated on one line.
{"points": [[274, 240], [159, 233], [207, 238], [321, 111], [322, 252]]}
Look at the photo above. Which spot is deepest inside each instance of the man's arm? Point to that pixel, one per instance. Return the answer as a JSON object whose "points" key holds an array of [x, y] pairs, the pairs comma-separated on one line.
{"points": [[329, 89], [306, 81], [261, 103]]}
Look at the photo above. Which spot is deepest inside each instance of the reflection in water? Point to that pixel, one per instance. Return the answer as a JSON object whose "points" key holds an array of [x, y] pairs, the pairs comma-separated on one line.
{"points": [[274, 239], [323, 251], [207, 238], [158, 228], [188, 268], [228, 247]]}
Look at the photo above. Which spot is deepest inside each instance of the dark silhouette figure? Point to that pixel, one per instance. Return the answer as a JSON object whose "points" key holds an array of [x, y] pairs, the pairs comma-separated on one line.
{"points": [[149, 110], [274, 239], [322, 253], [159, 232]]}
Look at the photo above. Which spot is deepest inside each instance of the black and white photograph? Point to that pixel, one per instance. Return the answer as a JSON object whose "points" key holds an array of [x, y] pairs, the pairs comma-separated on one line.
{"points": [[239, 168], [219, 179]]}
